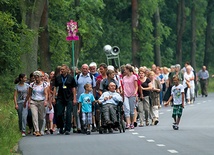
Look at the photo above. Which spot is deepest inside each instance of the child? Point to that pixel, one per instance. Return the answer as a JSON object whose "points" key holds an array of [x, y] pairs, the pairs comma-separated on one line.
{"points": [[85, 105], [177, 93], [49, 118]]}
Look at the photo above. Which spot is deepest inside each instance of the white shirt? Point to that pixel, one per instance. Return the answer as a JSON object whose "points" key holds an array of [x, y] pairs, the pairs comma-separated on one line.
{"points": [[177, 94]]}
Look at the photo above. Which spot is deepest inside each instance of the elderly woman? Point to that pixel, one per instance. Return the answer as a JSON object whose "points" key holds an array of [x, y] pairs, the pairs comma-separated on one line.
{"points": [[37, 96], [155, 99], [189, 84]]}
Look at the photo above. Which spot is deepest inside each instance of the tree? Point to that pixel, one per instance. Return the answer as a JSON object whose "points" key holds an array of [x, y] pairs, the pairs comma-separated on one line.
{"points": [[157, 38], [181, 22], [31, 15], [193, 35], [135, 40], [44, 54], [208, 40]]}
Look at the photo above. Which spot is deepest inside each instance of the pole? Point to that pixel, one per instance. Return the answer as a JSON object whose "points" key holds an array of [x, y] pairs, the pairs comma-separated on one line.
{"points": [[74, 70]]}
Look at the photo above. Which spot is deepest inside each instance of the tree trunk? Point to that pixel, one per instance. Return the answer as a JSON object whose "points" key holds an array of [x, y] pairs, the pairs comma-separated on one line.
{"points": [[193, 40], [181, 22], [208, 39], [157, 38], [45, 61], [45, 55], [31, 16], [135, 41]]}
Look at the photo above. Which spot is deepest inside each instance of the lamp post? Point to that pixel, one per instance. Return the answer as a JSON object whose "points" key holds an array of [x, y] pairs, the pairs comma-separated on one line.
{"points": [[72, 31]]}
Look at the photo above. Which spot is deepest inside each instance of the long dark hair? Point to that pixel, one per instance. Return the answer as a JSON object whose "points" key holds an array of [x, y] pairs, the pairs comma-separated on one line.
{"points": [[18, 79]]}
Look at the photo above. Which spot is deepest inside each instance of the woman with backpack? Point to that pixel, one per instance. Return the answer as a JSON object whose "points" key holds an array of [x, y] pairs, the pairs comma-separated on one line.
{"points": [[38, 99]]}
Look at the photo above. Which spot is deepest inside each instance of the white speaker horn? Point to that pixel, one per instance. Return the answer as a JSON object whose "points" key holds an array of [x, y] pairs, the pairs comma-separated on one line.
{"points": [[115, 50]]}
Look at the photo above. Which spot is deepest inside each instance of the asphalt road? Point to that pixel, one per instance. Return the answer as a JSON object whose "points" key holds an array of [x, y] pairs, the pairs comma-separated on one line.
{"points": [[195, 136]]}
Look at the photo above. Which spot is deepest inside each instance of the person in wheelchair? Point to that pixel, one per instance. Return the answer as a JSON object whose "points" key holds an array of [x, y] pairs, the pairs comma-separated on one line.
{"points": [[109, 101]]}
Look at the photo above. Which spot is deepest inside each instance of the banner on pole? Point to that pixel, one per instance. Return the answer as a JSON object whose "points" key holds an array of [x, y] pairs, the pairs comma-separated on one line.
{"points": [[72, 31]]}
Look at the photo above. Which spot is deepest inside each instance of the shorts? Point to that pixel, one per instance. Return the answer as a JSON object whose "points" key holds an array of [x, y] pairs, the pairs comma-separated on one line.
{"points": [[87, 118], [177, 111]]}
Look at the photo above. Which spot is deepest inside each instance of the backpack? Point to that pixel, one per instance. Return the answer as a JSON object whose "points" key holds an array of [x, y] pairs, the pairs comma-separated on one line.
{"points": [[91, 76]]}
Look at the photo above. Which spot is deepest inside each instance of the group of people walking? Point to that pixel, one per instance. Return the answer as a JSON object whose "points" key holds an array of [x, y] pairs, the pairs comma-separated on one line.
{"points": [[65, 98]]}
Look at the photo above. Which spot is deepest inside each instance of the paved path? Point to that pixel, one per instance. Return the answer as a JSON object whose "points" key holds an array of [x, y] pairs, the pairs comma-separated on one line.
{"points": [[195, 136]]}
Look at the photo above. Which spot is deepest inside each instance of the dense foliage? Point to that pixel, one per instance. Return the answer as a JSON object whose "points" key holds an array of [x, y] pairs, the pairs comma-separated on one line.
{"points": [[101, 22]]}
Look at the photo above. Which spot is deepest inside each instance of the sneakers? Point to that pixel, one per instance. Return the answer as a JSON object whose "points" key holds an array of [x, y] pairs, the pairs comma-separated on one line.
{"points": [[88, 132], [51, 131], [132, 126], [175, 126], [67, 133], [23, 134], [156, 122], [94, 129], [127, 126]]}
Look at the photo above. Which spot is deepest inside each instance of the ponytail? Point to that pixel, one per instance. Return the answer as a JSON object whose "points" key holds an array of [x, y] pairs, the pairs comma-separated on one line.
{"points": [[18, 79]]}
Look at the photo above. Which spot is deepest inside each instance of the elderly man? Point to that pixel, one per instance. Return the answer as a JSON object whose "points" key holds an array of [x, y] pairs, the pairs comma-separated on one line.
{"points": [[81, 79], [109, 101], [93, 69], [203, 75]]}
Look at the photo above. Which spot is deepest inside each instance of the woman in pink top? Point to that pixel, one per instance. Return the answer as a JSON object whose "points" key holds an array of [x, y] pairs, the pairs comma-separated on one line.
{"points": [[130, 88]]}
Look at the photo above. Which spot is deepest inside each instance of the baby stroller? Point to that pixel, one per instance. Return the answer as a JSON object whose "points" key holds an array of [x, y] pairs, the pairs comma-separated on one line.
{"points": [[119, 125]]}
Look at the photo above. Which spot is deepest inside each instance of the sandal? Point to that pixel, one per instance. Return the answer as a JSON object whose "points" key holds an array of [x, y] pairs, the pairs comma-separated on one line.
{"points": [[141, 125], [127, 126]]}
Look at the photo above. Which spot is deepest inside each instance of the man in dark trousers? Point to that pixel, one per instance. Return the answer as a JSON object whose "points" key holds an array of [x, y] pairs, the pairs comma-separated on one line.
{"points": [[66, 97]]}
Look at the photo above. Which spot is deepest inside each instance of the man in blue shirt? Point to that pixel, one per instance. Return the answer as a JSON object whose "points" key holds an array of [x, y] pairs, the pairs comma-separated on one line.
{"points": [[83, 78]]}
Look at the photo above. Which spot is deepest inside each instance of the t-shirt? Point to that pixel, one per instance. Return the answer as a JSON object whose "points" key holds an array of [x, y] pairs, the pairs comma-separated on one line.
{"points": [[86, 101], [65, 93], [38, 92], [145, 84], [82, 80], [21, 92], [188, 76], [129, 85], [176, 92]]}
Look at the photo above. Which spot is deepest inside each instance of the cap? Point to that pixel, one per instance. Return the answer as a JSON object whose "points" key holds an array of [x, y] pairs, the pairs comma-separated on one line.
{"points": [[110, 67], [37, 73]]}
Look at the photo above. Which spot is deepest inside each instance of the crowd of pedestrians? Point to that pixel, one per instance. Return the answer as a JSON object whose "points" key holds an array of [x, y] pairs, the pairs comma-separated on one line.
{"points": [[68, 99]]}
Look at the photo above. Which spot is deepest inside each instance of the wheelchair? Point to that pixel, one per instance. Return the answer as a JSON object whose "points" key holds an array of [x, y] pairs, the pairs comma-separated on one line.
{"points": [[119, 125]]}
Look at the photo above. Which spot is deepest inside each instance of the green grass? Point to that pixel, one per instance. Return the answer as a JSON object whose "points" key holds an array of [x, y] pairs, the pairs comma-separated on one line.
{"points": [[211, 85], [9, 132]]}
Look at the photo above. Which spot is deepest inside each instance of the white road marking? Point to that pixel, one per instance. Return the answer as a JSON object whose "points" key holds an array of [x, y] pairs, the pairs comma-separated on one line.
{"points": [[135, 133], [161, 145], [141, 136], [161, 113], [131, 130], [150, 141], [198, 103], [172, 151], [191, 105], [169, 110], [204, 101]]}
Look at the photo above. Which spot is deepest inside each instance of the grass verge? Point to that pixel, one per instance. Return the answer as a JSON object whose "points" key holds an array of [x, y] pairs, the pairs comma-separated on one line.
{"points": [[9, 132]]}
